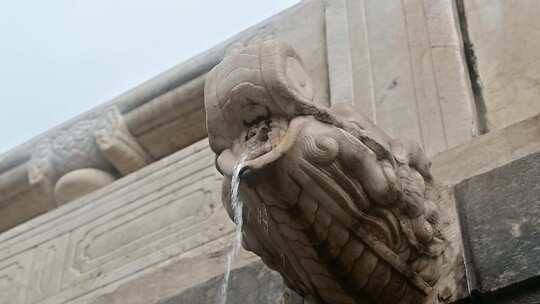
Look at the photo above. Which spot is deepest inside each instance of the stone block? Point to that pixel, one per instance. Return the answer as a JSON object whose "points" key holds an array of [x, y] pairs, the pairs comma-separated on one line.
{"points": [[504, 38], [175, 278], [528, 293], [159, 235], [14, 276], [500, 216], [487, 152], [80, 182], [401, 63], [168, 213], [253, 283], [47, 262]]}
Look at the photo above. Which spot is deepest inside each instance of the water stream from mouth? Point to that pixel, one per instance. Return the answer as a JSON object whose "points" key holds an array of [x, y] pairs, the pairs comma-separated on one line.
{"points": [[236, 204]]}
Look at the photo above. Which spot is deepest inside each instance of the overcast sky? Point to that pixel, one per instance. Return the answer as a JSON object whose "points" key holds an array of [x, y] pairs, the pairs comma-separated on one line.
{"points": [[59, 58]]}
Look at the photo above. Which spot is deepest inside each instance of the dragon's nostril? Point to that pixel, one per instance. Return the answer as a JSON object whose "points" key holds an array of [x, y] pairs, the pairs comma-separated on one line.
{"points": [[262, 135], [245, 172]]}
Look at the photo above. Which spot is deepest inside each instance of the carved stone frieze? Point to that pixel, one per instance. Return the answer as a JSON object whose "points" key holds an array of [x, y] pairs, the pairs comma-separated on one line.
{"points": [[344, 212], [118, 146], [103, 144]]}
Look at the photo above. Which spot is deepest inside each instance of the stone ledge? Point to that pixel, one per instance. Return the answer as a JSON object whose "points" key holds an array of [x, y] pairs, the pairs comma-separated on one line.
{"points": [[488, 151], [500, 218]]}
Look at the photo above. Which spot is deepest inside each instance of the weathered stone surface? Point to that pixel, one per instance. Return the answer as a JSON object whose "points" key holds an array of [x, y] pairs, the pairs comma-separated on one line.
{"points": [[504, 38], [166, 213], [331, 202], [253, 283], [487, 152], [528, 293], [177, 276], [500, 216], [401, 64], [26, 202], [80, 182]]}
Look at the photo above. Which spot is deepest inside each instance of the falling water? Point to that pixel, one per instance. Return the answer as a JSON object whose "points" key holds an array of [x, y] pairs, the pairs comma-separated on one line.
{"points": [[263, 218], [236, 205]]}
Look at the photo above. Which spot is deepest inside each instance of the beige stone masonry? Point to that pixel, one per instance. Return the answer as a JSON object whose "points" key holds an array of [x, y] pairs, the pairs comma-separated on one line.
{"points": [[488, 151], [402, 64], [504, 38]]}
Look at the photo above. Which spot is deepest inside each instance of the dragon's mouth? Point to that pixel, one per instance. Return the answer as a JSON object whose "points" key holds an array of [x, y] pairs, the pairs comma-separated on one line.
{"points": [[262, 142]]}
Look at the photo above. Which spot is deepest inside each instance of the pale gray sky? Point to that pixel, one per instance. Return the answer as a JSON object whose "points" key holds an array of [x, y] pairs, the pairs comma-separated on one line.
{"points": [[59, 58]]}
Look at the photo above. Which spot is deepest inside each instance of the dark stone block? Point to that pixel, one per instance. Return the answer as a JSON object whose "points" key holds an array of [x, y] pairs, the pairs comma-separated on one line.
{"points": [[523, 293], [500, 218], [254, 283]]}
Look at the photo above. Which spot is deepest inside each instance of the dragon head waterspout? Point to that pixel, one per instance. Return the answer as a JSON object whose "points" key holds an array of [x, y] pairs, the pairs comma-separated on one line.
{"points": [[344, 212]]}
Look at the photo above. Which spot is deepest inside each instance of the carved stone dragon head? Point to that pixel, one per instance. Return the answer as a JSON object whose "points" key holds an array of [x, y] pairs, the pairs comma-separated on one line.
{"points": [[345, 213]]}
